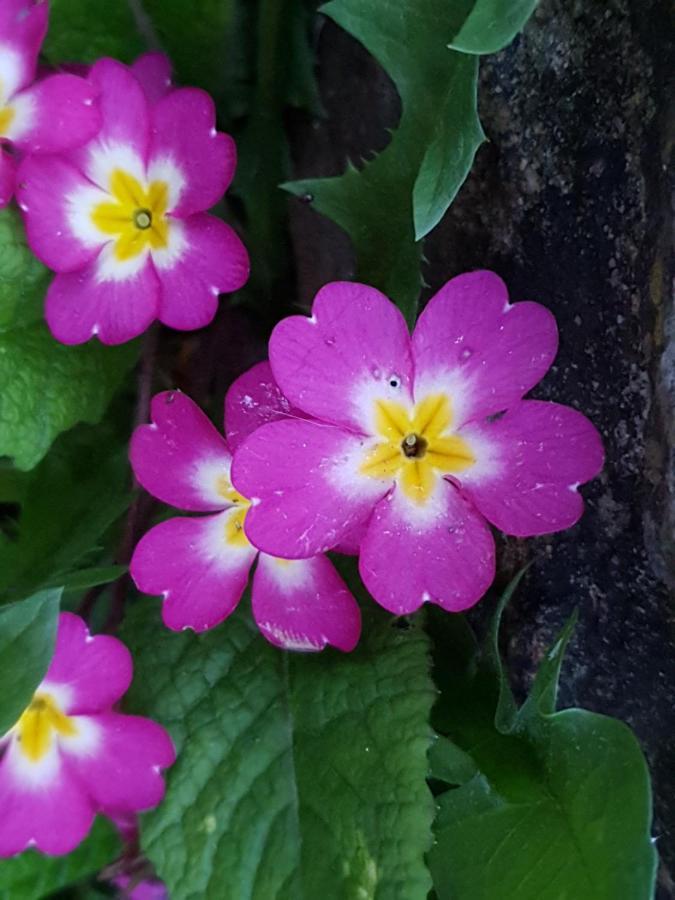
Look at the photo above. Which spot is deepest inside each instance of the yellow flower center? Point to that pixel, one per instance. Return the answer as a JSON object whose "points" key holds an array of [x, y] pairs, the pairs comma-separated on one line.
{"points": [[234, 528], [416, 447], [136, 217], [39, 724]]}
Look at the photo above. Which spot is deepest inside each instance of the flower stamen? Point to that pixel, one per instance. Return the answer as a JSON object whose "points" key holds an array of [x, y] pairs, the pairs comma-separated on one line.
{"points": [[414, 446]]}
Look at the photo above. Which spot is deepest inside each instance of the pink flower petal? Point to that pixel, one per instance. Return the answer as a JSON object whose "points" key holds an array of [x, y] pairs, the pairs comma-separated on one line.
{"points": [[184, 131], [200, 573], [125, 127], [303, 480], [93, 671], [254, 399], [355, 346], [148, 889], [486, 353], [180, 457], [442, 552], [214, 261], [153, 71], [351, 543], [122, 772], [44, 186], [7, 176], [82, 304], [23, 25], [304, 604], [54, 816], [65, 114], [530, 462]]}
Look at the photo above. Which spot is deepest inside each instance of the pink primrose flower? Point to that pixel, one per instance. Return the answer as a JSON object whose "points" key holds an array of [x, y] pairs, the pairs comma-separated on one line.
{"points": [[70, 755], [47, 115], [418, 442], [121, 220], [200, 565]]}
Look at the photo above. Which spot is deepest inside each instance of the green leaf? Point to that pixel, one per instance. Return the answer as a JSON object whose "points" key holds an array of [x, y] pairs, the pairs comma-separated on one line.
{"points": [[23, 279], [73, 496], [46, 388], [450, 764], [27, 635], [87, 578], [298, 776], [394, 200], [492, 24], [83, 30], [206, 44], [32, 876], [560, 805]]}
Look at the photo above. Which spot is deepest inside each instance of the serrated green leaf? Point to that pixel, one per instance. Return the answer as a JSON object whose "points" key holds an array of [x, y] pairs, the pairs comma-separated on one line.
{"points": [[492, 24], [46, 388], [23, 279], [72, 497], [32, 876], [81, 31], [394, 200], [27, 635], [561, 805], [298, 776]]}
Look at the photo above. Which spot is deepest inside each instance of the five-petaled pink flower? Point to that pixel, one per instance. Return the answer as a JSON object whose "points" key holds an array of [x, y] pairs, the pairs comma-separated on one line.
{"points": [[121, 220], [70, 755], [54, 113], [417, 441], [201, 564]]}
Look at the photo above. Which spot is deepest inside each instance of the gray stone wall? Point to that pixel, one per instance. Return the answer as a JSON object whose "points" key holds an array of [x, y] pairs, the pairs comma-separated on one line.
{"points": [[570, 202]]}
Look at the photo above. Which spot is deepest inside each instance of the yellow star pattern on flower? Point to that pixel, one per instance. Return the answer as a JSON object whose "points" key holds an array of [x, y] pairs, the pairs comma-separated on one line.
{"points": [[38, 725], [136, 217], [416, 447]]}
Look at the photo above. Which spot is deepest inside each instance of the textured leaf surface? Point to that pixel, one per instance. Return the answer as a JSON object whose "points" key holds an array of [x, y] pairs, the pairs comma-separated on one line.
{"points": [[492, 24], [27, 635], [83, 30], [398, 197], [46, 388], [32, 876], [23, 279], [297, 776], [70, 500], [558, 805]]}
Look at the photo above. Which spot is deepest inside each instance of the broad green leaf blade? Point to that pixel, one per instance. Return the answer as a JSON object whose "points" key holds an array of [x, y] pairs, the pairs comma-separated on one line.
{"points": [[583, 834], [27, 636], [560, 806], [492, 24], [394, 200], [87, 578], [81, 31], [23, 279], [46, 388], [298, 776], [72, 497], [32, 876]]}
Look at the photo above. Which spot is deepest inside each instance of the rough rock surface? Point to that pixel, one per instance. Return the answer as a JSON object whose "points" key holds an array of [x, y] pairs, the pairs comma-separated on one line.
{"points": [[570, 202]]}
